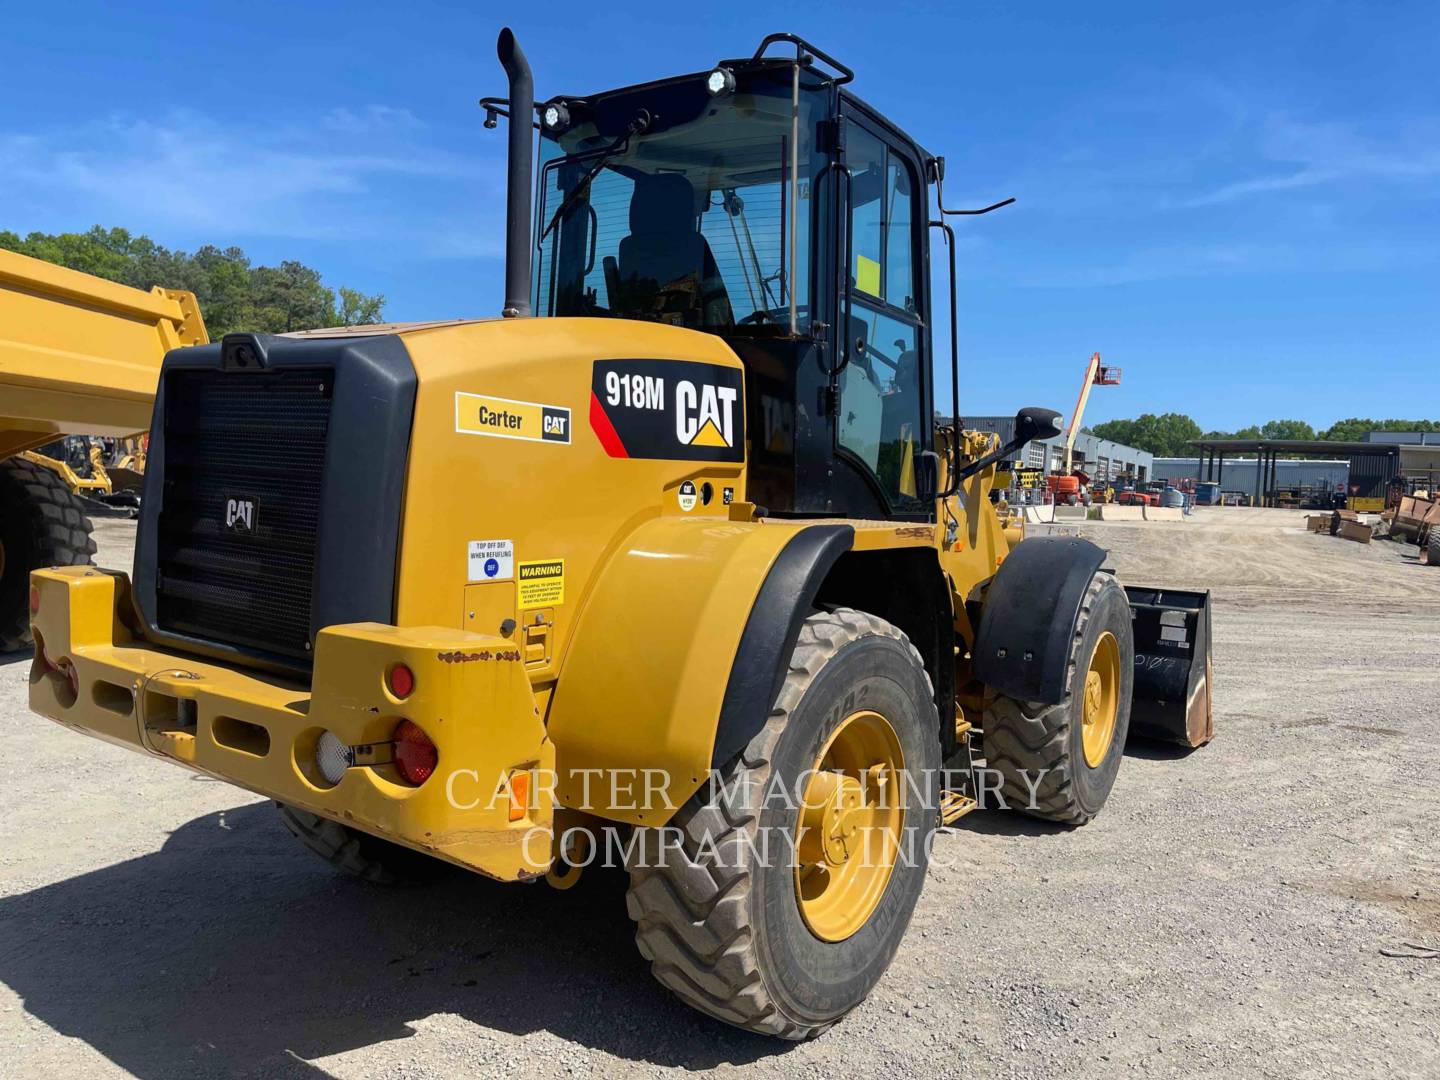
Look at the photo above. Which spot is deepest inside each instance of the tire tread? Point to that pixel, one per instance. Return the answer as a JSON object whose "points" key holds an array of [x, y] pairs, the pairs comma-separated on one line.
{"points": [[692, 918], [60, 535], [1023, 737]]}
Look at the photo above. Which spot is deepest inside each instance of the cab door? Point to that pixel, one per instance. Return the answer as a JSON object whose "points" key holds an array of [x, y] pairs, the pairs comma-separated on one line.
{"points": [[883, 411]]}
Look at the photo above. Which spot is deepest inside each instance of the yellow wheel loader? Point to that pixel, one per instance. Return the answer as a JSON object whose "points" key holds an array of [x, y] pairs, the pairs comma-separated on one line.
{"points": [[78, 355], [670, 566]]}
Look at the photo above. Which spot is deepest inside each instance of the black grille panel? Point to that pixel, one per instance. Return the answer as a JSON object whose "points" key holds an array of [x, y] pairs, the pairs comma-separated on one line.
{"points": [[242, 449]]}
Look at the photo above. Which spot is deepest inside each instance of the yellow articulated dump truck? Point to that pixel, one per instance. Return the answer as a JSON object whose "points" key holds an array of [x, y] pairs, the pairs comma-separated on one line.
{"points": [[669, 566], [78, 355]]}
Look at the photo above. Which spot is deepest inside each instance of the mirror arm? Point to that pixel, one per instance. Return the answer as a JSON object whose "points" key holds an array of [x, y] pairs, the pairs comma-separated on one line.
{"points": [[961, 475]]}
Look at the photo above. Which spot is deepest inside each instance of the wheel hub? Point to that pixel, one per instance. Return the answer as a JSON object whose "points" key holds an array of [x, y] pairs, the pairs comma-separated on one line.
{"points": [[1100, 699], [849, 826]]}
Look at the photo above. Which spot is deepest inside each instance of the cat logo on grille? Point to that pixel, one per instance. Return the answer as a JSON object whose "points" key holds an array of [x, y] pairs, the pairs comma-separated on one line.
{"points": [[241, 514]]}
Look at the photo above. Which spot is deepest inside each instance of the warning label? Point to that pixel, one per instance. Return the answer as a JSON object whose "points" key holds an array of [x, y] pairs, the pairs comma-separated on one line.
{"points": [[491, 560], [541, 584]]}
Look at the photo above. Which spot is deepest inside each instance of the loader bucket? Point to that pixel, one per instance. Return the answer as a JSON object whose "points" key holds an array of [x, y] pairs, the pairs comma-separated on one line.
{"points": [[124, 479], [1171, 700]]}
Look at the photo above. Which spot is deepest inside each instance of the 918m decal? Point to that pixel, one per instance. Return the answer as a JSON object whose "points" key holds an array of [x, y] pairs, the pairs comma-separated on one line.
{"points": [[670, 410]]}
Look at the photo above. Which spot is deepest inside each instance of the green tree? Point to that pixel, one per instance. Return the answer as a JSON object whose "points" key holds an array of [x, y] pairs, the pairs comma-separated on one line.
{"points": [[1354, 428], [233, 294], [1165, 435], [357, 309], [1286, 429]]}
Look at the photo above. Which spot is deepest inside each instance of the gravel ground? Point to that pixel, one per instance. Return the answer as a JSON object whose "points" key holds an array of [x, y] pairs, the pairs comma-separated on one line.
{"points": [[1227, 915]]}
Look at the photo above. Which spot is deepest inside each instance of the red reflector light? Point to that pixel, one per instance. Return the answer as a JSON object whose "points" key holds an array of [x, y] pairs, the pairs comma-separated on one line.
{"points": [[415, 755], [401, 681]]}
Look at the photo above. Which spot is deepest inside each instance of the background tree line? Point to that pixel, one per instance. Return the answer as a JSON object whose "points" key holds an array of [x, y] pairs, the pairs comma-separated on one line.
{"points": [[1170, 434], [233, 294]]}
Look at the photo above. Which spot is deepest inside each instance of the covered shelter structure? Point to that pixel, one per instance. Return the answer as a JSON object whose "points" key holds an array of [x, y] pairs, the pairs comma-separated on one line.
{"points": [[1371, 465]]}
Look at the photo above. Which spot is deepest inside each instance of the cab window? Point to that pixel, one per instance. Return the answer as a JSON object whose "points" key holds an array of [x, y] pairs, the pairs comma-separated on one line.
{"points": [[880, 403], [882, 408], [882, 197]]}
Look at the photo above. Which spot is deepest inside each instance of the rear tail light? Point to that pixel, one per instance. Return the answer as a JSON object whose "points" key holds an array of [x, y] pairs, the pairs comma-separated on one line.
{"points": [[415, 756], [401, 681]]}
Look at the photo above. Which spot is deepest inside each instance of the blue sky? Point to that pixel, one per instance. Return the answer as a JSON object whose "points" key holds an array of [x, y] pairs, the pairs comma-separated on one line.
{"points": [[1237, 203]]}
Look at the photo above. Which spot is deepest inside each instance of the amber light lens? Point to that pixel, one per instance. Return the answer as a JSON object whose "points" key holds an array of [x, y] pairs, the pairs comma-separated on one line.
{"points": [[415, 756]]}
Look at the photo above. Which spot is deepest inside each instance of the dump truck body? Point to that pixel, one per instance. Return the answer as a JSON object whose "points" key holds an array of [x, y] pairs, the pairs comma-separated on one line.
{"points": [[79, 354]]}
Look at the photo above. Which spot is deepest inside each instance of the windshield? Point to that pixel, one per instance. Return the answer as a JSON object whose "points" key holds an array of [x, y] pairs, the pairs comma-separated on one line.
{"points": [[690, 221]]}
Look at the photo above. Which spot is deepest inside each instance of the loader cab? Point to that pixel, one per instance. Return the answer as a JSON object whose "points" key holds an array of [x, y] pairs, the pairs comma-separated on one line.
{"points": [[760, 201]]}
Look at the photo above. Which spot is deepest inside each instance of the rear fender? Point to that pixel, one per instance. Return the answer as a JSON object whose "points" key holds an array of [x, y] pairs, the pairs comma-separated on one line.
{"points": [[676, 658]]}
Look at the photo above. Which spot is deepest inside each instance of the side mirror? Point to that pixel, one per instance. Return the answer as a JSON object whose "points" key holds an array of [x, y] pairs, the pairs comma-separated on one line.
{"points": [[1030, 424], [1034, 423]]}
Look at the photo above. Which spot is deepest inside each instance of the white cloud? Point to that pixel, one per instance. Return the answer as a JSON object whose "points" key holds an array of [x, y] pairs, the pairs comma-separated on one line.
{"points": [[187, 173], [1314, 154]]}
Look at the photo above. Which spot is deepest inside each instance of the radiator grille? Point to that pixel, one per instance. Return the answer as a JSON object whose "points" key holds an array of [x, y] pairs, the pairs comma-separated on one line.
{"points": [[244, 461]]}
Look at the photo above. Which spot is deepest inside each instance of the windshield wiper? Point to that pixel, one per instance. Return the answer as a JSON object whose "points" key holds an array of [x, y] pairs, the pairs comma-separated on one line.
{"points": [[619, 146]]}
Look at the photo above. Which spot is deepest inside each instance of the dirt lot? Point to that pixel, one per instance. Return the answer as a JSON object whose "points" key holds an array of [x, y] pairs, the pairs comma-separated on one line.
{"points": [[1228, 915]]}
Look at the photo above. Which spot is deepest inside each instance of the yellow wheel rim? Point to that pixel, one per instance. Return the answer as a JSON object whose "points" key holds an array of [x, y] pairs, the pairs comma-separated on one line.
{"points": [[1102, 699], [851, 819]]}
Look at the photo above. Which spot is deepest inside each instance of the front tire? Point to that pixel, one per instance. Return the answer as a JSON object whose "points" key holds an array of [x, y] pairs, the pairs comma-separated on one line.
{"points": [[1074, 746], [729, 908]]}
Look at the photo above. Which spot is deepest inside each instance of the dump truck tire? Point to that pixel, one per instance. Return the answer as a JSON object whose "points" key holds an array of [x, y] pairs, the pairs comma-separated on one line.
{"points": [[377, 861], [41, 524], [724, 926], [1024, 740]]}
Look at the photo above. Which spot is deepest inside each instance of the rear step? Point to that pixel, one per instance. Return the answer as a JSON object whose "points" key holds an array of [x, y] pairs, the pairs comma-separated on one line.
{"points": [[954, 805], [1172, 696]]}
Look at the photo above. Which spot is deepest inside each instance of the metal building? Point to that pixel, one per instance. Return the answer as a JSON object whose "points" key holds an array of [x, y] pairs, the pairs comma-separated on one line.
{"points": [[1372, 464], [1332, 474], [1419, 455]]}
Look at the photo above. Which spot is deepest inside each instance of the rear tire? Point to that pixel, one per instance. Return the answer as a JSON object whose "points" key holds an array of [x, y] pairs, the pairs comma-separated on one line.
{"points": [[721, 924], [1024, 739], [377, 861], [41, 524]]}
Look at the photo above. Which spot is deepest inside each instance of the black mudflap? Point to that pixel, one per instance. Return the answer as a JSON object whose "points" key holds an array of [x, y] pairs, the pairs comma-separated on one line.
{"points": [[1172, 700]]}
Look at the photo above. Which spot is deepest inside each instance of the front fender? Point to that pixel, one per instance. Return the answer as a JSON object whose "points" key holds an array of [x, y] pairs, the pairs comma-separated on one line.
{"points": [[676, 658], [1022, 648]]}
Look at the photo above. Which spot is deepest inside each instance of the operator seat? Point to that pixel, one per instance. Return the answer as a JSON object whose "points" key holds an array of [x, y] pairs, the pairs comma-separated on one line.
{"points": [[665, 266]]}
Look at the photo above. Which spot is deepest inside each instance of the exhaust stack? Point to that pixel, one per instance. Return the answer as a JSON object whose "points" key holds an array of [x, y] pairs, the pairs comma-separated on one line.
{"points": [[519, 179]]}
